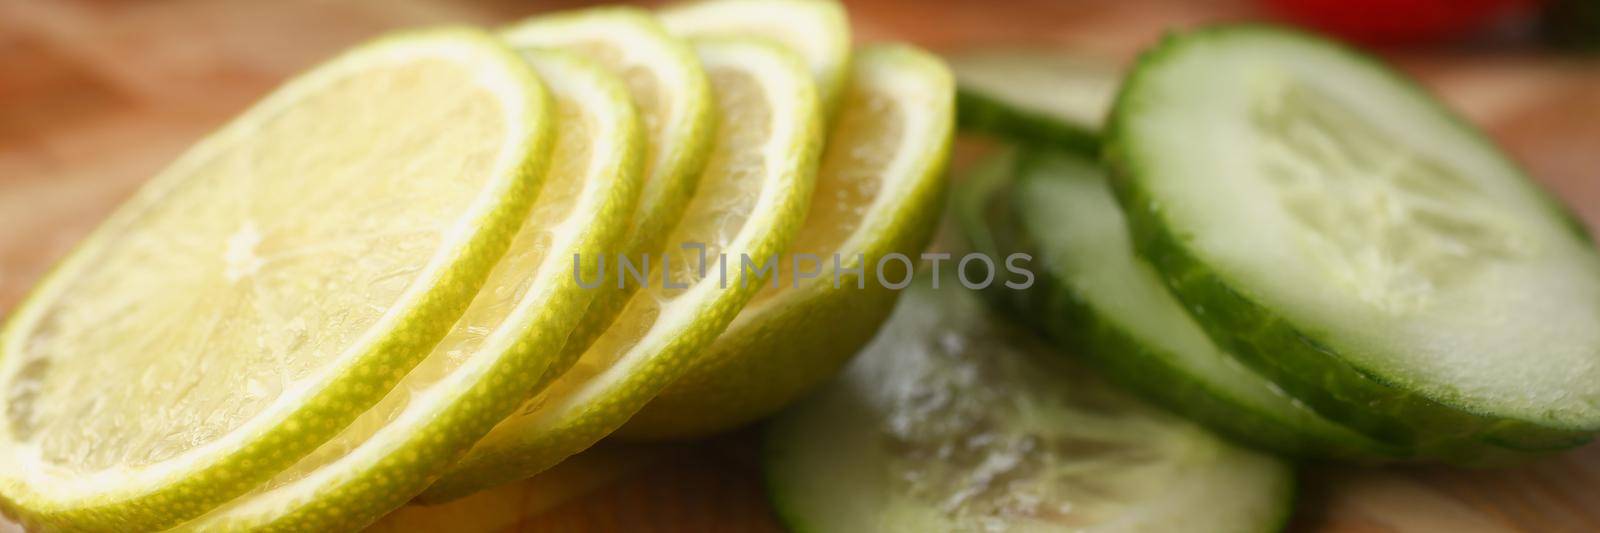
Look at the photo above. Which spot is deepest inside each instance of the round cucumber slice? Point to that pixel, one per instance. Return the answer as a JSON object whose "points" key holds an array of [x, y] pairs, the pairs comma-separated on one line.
{"points": [[1336, 228], [1096, 296], [951, 421], [1035, 95]]}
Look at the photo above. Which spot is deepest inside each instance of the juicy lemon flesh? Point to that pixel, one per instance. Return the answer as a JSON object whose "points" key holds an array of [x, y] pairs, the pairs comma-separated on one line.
{"points": [[864, 142], [733, 181], [654, 105], [507, 285], [258, 269], [817, 31], [669, 91], [872, 197]]}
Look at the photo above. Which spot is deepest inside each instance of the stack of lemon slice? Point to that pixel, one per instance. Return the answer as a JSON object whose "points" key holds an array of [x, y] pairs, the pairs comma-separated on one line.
{"points": [[398, 275]]}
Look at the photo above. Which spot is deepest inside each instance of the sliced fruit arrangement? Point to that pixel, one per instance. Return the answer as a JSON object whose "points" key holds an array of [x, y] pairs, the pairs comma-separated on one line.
{"points": [[503, 345], [447, 260], [817, 30], [952, 421], [1035, 95], [270, 285], [1096, 297], [1342, 233], [878, 192], [674, 101], [753, 198]]}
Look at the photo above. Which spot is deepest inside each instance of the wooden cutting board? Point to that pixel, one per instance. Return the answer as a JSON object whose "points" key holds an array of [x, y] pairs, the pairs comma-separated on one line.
{"points": [[97, 95]]}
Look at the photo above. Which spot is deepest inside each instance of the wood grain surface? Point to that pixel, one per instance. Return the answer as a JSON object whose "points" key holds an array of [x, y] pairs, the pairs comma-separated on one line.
{"points": [[95, 96]]}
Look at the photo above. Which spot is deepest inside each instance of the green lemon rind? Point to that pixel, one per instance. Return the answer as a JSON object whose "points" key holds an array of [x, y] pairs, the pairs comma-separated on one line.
{"points": [[441, 420], [527, 444], [162, 496], [631, 42], [772, 353], [817, 30]]}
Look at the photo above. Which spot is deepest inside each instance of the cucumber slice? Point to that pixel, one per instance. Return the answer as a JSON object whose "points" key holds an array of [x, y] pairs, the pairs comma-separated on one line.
{"points": [[951, 421], [1096, 297], [981, 208], [1364, 248], [1034, 95]]}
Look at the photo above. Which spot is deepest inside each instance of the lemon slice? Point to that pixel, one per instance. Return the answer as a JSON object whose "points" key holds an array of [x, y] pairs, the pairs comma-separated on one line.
{"points": [[270, 285], [818, 30], [505, 342], [878, 192], [752, 199], [673, 97]]}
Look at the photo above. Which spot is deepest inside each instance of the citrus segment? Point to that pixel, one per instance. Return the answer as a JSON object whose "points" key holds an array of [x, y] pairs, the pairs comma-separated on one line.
{"points": [[878, 192], [674, 102], [270, 285], [752, 199], [506, 341], [817, 30]]}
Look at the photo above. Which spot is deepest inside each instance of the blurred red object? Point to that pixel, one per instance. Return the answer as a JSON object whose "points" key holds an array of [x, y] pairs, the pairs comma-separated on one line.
{"points": [[1397, 22]]}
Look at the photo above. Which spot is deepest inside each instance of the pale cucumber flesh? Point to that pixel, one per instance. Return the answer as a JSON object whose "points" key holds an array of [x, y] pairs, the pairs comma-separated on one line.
{"points": [[1336, 228], [1098, 298], [951, 421]]}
